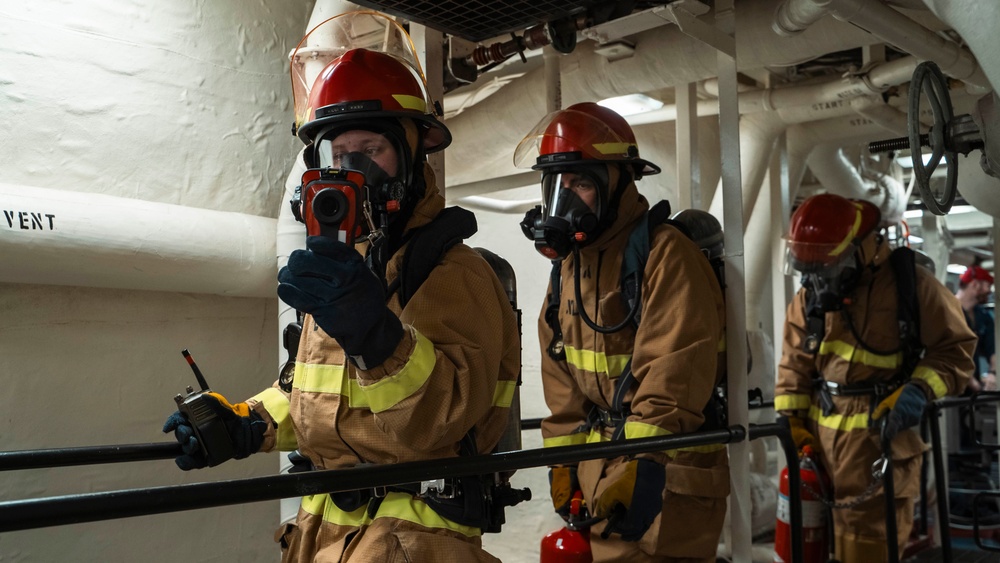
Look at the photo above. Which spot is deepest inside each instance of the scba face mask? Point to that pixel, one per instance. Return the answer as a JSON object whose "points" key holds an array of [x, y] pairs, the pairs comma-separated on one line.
{"points": [[571, 210], [831, 285], [380, 153]]}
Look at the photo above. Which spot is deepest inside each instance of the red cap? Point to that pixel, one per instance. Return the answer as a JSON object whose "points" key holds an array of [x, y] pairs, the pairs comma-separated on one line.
{"points": [[973, 273]]}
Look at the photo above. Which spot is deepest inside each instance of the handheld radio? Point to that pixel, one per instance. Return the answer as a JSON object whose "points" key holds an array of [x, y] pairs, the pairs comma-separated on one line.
{"points": [[208, 428]]}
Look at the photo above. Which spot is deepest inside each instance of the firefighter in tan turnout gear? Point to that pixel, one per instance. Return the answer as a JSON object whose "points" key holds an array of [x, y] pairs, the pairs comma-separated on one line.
{"points": [[625, 358], [861, 357], [391, 367]]}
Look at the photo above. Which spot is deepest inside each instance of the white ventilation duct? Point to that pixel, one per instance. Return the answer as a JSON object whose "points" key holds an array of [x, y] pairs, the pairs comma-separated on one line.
{"points": [[90, 240]]}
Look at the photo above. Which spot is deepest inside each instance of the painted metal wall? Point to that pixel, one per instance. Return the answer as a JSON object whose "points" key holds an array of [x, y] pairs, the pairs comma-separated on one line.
{"points": [[184, 103]]}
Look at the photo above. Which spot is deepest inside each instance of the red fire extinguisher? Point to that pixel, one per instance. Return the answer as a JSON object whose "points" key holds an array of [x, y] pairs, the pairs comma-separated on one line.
{"points": [[815, 537], [571, 543]]}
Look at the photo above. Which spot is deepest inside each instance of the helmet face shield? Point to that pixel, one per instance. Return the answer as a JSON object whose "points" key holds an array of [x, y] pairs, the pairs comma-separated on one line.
{"points": [[338, 35], [379, 153], [573, 196], [572, 203], [825, 260]]}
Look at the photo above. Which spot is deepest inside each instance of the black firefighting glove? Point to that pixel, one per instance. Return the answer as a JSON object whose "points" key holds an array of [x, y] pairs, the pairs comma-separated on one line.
{"points": [[563, 485], [245, 428], [905, 407], [632, 502], [330, 281]]}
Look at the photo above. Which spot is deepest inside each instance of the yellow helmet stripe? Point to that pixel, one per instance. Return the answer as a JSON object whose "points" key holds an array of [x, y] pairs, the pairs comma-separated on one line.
{"points": [[850, 236], [411, 102], [613, 148]]}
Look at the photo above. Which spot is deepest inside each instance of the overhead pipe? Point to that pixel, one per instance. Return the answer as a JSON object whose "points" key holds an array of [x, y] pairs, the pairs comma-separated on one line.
{"points": [[840, 176], [976, 22], [784, 105], [62, 237], [888, 117], [874, 80], [503, 120], [795, 16]]}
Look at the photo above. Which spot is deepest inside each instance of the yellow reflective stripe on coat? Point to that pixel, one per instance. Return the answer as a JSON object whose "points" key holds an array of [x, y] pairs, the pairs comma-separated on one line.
{"points": [[318, 378], [401, 506], [634, 429], [792, 402], [931, 378], [323, 506], [852, 353], [390, 391], [571, 440], [276, 404], [503, 395], [597, 362], [839, 421]]}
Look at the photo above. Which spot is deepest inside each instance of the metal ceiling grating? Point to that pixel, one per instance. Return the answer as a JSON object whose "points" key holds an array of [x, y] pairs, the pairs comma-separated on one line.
{"points": [[478, 20]]}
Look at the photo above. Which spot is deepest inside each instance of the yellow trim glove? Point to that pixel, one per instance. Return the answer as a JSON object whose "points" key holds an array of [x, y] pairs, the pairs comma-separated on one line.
{"points": [[562, 485], [633, 501], [800, 435], [905, 407]]}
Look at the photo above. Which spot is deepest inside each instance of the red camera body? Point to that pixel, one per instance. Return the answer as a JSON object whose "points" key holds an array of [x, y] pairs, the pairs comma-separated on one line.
{"points": [[331, 203]]}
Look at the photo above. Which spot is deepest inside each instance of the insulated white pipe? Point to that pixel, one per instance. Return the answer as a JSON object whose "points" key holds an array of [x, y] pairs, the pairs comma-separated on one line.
{"points": [[976, 21], [875, 81], [890, 118], [486, 135], [92, 240], [794, 16]]}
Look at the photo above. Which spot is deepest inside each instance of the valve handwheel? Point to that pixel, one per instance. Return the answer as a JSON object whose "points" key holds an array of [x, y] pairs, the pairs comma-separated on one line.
{"points": [[929, 81]]}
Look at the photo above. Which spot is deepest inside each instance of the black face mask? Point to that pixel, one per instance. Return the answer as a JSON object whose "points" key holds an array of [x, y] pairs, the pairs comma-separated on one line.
{"points": [[380, 187], [829, 292], [565, 221]]}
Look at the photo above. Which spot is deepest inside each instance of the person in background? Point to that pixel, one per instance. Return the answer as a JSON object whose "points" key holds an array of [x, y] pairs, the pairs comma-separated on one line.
{"points": [[974, 288], [850, 377]]}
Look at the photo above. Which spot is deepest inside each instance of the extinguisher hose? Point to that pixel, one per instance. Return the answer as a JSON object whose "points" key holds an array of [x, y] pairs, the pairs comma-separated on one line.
{"points": [[584, 524]]}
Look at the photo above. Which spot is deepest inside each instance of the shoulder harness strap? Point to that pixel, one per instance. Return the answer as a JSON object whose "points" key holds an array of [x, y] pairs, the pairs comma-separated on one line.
{"points": [[903, 261], [427, 247], [637, 253]]}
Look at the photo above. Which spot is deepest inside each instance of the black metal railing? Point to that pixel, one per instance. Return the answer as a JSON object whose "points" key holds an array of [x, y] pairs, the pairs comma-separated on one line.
{"points": [[90, 507], [932, 413]]}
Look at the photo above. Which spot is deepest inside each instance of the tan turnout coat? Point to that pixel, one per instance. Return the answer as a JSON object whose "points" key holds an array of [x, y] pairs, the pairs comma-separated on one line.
{"points": [[455, 369], [848, 444], [675, 354]]}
